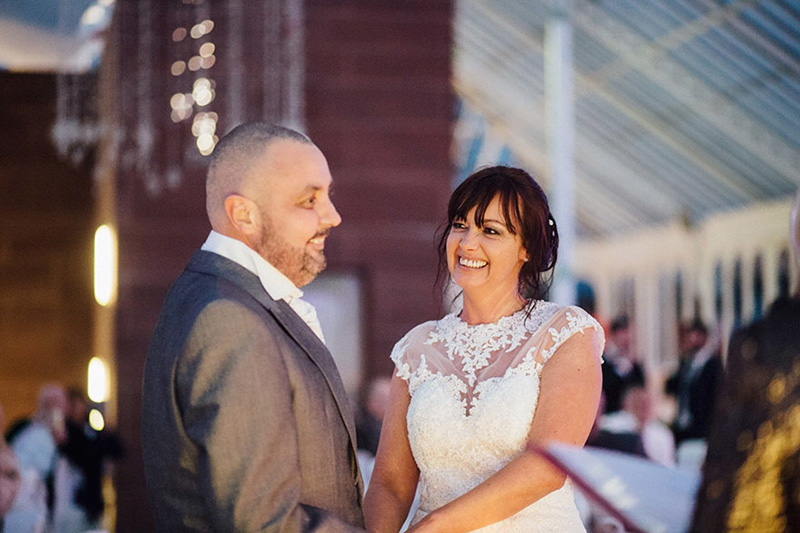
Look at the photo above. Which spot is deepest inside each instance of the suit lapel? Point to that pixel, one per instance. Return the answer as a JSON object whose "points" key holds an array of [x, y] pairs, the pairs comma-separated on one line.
{"points": [[294, 326], [297, 329]]}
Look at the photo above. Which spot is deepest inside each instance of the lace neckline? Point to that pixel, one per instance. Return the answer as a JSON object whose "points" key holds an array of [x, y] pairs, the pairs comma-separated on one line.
{"points": [[515, 319], [474, 345]]}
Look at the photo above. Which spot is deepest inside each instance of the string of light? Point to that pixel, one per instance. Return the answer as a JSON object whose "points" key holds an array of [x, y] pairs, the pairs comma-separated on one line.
{"points": [[195, 104]]}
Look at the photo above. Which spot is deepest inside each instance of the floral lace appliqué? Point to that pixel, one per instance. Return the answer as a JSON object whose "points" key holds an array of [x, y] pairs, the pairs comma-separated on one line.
{"points": [[475, 344], [575, 323]]}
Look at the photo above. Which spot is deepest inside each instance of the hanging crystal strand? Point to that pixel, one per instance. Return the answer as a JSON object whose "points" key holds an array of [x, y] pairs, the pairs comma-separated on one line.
{"points": [[75, 129], [174, 139], [233, 83], [271, 68], [109, 134], [294, 66], [145, 132], [81, 135], [60, 131]]}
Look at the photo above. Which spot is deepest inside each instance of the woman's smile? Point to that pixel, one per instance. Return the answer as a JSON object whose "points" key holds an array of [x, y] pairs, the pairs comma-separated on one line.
{"points": [[471, 263]]}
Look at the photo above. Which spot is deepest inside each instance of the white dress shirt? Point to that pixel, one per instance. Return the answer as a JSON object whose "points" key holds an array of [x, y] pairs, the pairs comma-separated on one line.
{"points": [[277, 285]]}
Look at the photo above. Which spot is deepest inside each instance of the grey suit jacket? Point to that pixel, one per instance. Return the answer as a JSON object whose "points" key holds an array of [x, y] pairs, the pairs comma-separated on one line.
{"points": [[245, 423]]}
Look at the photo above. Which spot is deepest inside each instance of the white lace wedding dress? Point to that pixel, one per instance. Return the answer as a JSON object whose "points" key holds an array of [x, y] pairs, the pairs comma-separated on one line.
{"points": [[474, 391]]}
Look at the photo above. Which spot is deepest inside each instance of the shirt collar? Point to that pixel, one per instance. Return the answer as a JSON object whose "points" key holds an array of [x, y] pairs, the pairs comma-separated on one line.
{"points": [[277, 285], [702, 356]]}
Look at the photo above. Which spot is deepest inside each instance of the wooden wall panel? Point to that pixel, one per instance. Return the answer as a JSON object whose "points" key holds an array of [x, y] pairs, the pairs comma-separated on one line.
{"points": [[46, 231], [379, 104]]}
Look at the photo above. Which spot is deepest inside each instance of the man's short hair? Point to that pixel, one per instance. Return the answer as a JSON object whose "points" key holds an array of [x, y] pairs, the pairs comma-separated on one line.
{"points": [[250, 138], [697, 325], [618, 324], [234, 154]]}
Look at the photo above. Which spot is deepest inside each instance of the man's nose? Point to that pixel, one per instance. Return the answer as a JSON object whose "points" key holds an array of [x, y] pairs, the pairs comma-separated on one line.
{"points": [[329, 215]]}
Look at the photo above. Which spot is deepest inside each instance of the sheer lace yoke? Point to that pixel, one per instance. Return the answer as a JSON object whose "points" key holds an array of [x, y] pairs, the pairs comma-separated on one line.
{"points": [[474, 357]]}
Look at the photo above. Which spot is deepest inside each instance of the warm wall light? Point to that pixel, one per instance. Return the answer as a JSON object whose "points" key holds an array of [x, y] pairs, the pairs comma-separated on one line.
{"points": [[96, 420], [105, 265], [98, 380]]}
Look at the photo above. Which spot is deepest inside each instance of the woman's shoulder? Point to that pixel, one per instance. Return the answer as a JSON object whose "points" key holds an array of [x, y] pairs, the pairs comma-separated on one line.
{"points": [[416, 334], [564, 321], [405, 357], [550, 314], [421, 330], [551, 310]]}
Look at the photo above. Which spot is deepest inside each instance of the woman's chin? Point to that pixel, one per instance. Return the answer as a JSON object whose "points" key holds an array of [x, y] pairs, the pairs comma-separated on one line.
{"points": [[468, 282]]}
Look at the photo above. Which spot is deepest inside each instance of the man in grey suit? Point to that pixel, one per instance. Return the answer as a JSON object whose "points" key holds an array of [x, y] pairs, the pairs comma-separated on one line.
{"points": [[245, 422]]}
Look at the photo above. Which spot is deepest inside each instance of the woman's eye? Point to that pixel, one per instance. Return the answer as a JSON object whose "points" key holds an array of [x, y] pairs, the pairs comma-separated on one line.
{"points": [[309, 202], [490, 231], [459, 225]]}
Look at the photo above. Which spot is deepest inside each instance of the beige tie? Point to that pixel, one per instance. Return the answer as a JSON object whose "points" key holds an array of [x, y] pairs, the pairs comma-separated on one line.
{"points": [[307, 312]]}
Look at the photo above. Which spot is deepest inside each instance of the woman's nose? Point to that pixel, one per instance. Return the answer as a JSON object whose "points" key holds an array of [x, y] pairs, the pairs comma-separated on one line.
{"points": [[469, 240]]}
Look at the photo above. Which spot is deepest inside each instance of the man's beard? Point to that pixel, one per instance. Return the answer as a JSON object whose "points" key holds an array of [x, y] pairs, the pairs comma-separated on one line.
{"points": [[296, 263]]}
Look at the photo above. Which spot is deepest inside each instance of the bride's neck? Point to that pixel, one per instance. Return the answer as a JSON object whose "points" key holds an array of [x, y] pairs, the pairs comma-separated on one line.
{"points": [[486, 309]]}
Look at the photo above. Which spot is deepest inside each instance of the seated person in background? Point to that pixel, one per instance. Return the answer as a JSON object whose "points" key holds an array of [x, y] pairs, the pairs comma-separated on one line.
{"points": [[695, 383], [625, 441], [9, 480], [87, 451], [36, 448], [370, 417], [638, 416], [9, 474], [621, 370]]}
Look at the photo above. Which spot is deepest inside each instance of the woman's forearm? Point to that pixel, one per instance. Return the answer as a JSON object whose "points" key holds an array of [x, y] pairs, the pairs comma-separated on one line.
{"points": [[385, 510], [525, 480]]}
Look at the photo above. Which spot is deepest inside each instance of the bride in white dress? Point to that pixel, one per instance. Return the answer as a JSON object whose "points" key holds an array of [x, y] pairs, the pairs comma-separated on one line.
{"points": [[475, 388]]}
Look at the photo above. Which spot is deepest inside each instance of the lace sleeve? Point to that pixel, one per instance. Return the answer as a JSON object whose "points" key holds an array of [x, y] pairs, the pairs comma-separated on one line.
{"points": [[400, 358], [407, 355], [565, 324], [414, 360]]}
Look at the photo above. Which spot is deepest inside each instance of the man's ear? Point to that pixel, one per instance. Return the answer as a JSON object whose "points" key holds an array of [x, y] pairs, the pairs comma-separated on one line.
{"points": [[242, 213]]}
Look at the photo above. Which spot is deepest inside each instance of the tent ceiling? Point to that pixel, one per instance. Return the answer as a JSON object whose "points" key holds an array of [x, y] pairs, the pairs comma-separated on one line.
{"points": [[52, 35], [683, 108]]}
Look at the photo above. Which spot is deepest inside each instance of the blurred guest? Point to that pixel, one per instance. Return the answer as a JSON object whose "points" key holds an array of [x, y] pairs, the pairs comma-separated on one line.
{"points": [[638, 416], [87, 451], [622, 440], [9, 480], [620, 368], [368, 425], [36, 445], [36, 448], [751, 479], [695, 383], [9, 474]]}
